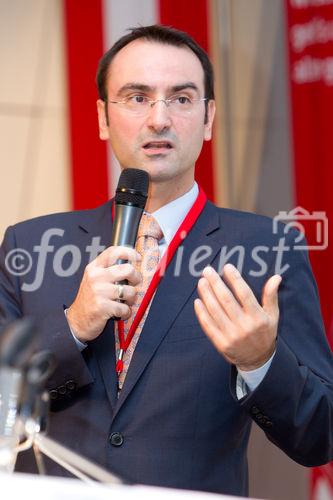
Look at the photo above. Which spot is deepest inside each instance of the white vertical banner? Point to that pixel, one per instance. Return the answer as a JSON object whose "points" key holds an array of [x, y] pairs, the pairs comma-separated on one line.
{"points": [[118, 17]]}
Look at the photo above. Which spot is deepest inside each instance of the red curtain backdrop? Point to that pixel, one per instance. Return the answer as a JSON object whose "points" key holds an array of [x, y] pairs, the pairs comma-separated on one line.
{"points": [[310, 44], [84, 47], [192, 17]]}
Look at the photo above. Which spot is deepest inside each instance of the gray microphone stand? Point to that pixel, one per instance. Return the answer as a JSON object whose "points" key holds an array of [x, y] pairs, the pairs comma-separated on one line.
{"points": [[30, 430]]}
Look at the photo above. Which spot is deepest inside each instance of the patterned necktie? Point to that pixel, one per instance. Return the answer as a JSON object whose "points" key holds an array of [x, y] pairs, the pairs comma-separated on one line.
{"points": [[149, 234]]}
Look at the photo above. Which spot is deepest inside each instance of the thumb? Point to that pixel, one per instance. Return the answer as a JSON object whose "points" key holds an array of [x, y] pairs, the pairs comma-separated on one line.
{"points": [[270, 301]]}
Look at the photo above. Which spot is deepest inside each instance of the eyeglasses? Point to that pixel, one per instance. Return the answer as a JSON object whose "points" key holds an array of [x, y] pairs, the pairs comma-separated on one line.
{"points": [[140, 105]]}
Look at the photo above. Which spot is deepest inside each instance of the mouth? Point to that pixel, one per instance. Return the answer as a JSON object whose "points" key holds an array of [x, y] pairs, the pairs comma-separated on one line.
{"points": [[157, 147]]}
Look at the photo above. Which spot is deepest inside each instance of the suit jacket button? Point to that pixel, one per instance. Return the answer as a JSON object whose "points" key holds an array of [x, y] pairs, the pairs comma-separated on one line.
{"points": [[70, 385], [53, 394], [62, 390], [255, 410], [116, 439]]}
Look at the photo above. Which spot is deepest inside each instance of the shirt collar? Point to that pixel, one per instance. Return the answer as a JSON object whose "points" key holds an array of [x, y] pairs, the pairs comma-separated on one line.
{"points": [[171, 215]]}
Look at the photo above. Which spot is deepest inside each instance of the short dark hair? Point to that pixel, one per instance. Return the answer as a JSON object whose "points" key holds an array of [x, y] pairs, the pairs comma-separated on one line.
{"points": [[160, 34]]}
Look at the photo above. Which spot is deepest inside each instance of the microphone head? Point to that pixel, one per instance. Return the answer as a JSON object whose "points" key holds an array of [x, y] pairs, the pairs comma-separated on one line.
{"points": [[132, 188]]}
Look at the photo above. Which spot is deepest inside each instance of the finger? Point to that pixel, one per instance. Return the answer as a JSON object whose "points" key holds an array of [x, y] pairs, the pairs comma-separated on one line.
{"points": [[110, 256], [213, 306], [270, 301], [240, 289], [223, 294], [208, 325], [120, 272], [128, 293], [119, 310], [113, 290]]}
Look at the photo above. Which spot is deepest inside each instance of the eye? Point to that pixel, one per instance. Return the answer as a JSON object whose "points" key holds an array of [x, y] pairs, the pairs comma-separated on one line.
{"points": [[137, 99], [182, 99]]}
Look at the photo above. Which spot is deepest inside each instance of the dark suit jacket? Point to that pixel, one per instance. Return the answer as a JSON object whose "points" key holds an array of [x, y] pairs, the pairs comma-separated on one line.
{"points": [[179, 421]]}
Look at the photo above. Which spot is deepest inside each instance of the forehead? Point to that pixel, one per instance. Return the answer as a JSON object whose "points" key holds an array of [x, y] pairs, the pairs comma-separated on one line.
{"points": [[154, 64]]}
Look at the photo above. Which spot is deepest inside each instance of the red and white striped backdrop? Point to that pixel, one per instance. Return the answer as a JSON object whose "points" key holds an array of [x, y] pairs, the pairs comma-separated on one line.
{"points": [[91, 28]]}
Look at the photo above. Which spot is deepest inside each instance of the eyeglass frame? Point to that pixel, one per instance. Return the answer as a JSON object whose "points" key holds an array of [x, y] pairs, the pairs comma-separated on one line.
{"points": [[152, 102]]}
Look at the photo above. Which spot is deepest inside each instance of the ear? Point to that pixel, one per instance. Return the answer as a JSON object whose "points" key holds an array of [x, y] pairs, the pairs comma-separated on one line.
{"points": [[102, 122], [210, 118]]}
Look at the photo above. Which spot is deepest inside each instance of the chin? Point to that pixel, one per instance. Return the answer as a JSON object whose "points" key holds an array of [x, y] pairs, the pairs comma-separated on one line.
{"points": [[159, 169], [161, 175]]}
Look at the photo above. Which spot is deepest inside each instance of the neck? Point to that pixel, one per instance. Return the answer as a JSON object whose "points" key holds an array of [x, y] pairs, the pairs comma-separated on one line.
{"points": [[160, 194]]}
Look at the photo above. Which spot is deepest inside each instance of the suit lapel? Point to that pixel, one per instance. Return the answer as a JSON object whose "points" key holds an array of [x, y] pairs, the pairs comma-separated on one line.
{"points": [[104, 350], [173, 292]]}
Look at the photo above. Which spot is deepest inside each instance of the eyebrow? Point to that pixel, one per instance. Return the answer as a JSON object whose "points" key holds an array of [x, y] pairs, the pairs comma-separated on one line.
{"points": [[147, 88]]}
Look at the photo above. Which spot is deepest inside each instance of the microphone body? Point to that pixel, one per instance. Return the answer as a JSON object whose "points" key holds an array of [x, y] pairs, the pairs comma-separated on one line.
{"points": [[125, 226], [130, 201]]}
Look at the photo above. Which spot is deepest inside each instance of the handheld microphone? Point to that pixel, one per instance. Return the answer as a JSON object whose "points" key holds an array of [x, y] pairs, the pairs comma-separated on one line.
{"points": [[130, 201], [16, 347]]}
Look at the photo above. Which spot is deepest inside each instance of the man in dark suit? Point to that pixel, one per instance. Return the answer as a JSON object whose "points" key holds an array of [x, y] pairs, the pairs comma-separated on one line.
{"points": [[213, 354]]}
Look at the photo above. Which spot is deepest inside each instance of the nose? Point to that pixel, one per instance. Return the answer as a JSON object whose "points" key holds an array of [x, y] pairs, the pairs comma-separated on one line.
{"points": [[158, 118]]}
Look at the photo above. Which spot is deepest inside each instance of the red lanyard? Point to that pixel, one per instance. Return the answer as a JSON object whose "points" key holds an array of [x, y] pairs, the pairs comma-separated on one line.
{"points": [[180, 235]]}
